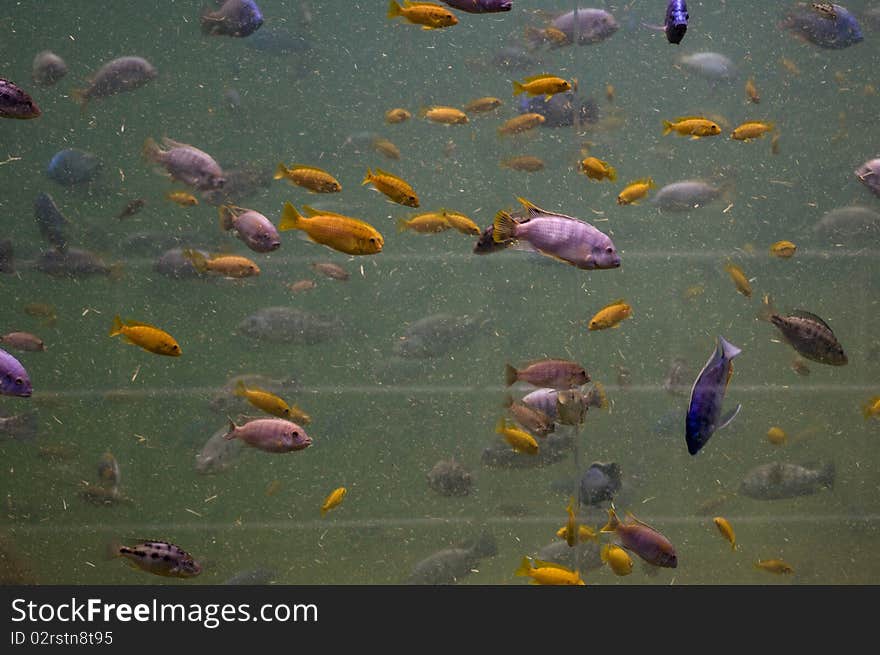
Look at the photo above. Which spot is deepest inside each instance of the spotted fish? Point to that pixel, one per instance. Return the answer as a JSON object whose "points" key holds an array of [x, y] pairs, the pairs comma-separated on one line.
{"points": [[806, 333], [160, 558]]}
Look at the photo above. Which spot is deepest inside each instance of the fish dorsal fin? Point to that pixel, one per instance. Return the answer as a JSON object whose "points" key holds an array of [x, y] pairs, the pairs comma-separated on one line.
{"points": [[632, 518], [533, 211], [644, 180], [379, 171], [130, 323], [691, 118], [311, 211], [542, 76], [306, 167], [802, 313], [171, 143], [541, 564], [614, 303]]}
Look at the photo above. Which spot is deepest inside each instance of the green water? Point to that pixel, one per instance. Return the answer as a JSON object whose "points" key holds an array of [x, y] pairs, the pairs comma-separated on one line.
{"points": [[378, 424]]}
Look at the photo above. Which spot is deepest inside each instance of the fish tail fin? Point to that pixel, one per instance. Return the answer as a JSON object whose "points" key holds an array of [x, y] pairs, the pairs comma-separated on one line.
{"points": [[507, 401], [603, 554], [510, 374], [229, 436], [518, 88], [767, 308], [394, 9], [369, 175], [827, 477], [613, 521], [290, 218], [117, 326], [525, 567], [226, 216], [504, 227], [240, 390], [866, 408], [197, 259], [612, 173], [280, 171], [667, 127], [598, 397], [500, 425], [111, 549], [402, 225], [151, 150], [80, 98]]}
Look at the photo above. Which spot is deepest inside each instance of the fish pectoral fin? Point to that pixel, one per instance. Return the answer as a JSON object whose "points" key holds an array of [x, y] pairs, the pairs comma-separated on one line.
{"points": [[728, 419]]}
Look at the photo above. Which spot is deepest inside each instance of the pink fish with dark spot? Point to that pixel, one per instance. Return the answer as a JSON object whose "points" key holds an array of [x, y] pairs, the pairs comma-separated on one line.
{"points": [[274, 435]]}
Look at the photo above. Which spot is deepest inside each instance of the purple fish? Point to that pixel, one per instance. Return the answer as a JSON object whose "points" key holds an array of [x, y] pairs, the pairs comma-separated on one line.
{"points": [[480, 6], [251, 226], [14, 380], [186, 164], [826, 25], [562, 237], [591, 25], [675, 23], [642, 539], [274, 435], [707, 395], [233, 18], [15, 103], [869, 175]]}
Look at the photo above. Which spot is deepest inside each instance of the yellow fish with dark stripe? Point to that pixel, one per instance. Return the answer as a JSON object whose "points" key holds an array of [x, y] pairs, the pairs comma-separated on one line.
{"points": [[342, 233], [147, 336]]}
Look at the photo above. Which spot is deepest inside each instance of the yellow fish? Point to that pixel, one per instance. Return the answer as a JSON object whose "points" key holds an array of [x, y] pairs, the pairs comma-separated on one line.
{"points": [[333, 500], [774, 566], [525, 163], [696, 126], [752, 130], [726, 529], [548, 573], [426, 14], [617, 559], [397, 115], [611, 315], [520, 440], [739, 279], [596, 169], [147, 336], [871, 409], [182, 198], [541, 85], [428, 223], [226, 265], [571, 533], [461, 223], [445, 115], [271, 404], [584, 533], [776, 436], [342, 233], [752, 91], [482, 105], [386, 147], [635, 191], [392, 186], [783, 249], [521, 123], [312, 178]]}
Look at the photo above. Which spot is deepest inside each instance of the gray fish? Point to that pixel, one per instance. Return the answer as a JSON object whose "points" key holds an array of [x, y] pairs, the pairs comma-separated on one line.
{"points": [[15, 102], [806, 333], [51, 222], [449, 478], [48, 68], [24, 341], [686, 195], [834, 29], [73, 166], [450, 565], [600, 482], [186, 163], [21, 427], [546, 399], [174, 263], [869, 175], [514, 58], [436, 335], [585, 556], [279, 41], [218, 454], [74, 262], [241, 182], [849, 221], [132, 208], [117, 76], [256, 576], [289, 325], [780, 480], [711, 65], [590, 25]]}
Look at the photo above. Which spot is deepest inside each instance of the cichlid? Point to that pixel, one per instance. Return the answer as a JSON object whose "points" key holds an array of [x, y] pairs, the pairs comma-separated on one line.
{"points": [[520, 440], [51, 222], [869, 175], [695, 126], [553, 373], [147, 336], [806, 333], [635, 191], [527, 163], [707, 395], [73, 166], [521, 123], [24, 341], [333, 500], [726, 530], [218, 454], [233, 18], [450, 565], [342, 233], [272, 435], [312, 178], [427, 14], [532, 419], [74, 262], [159, 558], [186, 164], [687, 195], [599, 483], [548, 573], [591, 25], [617, 558], [230, 266], [774, 566], [16, 103], [782, 480], [596, 169], [288, 325], [449, 478], [836, 29], [395, 188], [611, 315], [254, 229], [482, 105], [48, 68], [739, 279], [675, 22], [14, 380], [541, 85], [436, 335], [117, 76], [713, 66], [642, 539], [480, 6], [783, 249], [397, 115], [751, 130], [444, 115]]}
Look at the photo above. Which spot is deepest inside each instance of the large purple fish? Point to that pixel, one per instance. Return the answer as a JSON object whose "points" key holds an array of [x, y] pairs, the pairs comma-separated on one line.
{"points": [[675, 23], [707, 395], [14, 380], [480, 6], [274, 435], [824, 24], [233, 18], [562, 237], [869, 175]]}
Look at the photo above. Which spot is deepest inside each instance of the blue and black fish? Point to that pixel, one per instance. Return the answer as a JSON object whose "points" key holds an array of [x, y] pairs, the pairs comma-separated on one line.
{"points": [[233, 18], [707, 395], [675, 23], [72, 166], [824, 24], [50, 220]]}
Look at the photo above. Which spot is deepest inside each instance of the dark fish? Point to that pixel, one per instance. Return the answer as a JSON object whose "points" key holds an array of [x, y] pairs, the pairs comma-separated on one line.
{"points": [[600, 482], [51, 221], [117, 76], [590, 25], [241, 183], [233, 18], [869, 175], [707, 395], [72, 166], [452, 564], [585, 556], [436, 335], [21, 427], [821, 29], [514, 58], [15, 103], [780, 480], [7, 259], [257, 576], [562, 110], [132, 208], [676, 23], [449, 478], [806, 333], [852, 221], [14, 380], [174, 263], [74, 262], [480, 6], [532, 419], [289, 325], [331, 270], [47, 68], [186, 164]]}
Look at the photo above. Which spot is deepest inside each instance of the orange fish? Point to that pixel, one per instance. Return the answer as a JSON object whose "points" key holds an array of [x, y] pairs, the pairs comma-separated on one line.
{"points": [[429, 15]]}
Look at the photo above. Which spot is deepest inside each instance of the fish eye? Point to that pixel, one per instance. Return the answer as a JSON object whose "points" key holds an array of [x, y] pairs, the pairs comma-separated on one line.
{"points": [[19, 381], [609, 250]]}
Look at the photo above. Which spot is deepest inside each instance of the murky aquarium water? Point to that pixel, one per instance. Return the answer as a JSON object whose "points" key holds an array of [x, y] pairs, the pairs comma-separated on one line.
{"points": [[499, 275]]}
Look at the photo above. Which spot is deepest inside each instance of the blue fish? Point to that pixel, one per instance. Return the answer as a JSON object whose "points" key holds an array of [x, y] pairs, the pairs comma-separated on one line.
{"points": [[707, 395], [833, 28], [233, 18], [72, 166], [676, 20], [51, 221]]}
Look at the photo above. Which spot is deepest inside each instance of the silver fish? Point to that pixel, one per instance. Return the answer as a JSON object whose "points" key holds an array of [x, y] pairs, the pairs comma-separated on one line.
{"points": [[561, 237], [546, 400], [848, 221], [47, 68], [591, 25], [452, 564], [711, 65], [117, 76], [686, 195], [436, 335], [780, 480], [257, 231], [289, 325], [218, 454], [272, 435], [806, 333], [186, 163]]}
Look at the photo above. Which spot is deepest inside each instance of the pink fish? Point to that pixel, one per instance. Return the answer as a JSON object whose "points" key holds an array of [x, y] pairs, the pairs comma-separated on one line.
{"points": [[274, 435], [643, 540]]}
